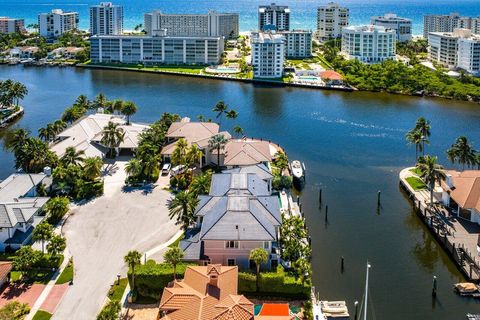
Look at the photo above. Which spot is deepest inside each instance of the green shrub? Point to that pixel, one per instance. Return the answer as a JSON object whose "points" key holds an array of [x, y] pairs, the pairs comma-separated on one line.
{"points": [[110, 311], [14, 311], [246, 282], [48, 261], [282, 182], [151, 278], [88, 189]]}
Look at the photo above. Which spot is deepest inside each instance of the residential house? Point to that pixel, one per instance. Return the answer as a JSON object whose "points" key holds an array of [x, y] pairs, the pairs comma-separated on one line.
{"points": [[86, 135], [65, 52], [23, 52], [20, 208], [206, 293], [331, 78], [461, 192], [246, 152], [238, 215], [198, 133]]}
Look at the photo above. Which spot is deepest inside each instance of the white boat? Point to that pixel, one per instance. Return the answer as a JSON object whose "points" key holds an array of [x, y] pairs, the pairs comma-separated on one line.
{"points": [[297, 169], [334, 309]]}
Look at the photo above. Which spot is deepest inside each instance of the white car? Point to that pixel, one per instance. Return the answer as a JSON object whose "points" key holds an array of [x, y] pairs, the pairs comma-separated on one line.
{"points": [[178, 169], [166, 169]]}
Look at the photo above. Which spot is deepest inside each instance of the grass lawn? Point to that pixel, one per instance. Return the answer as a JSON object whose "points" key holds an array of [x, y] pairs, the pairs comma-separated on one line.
{"points": [[116, 292], [175, 244], [67, 275], [172, 68], [42, 315], [416, 171], [15, 276], [416, 183]]}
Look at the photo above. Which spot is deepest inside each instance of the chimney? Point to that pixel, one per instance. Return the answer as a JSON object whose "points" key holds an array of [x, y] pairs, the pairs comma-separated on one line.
{"points": [[47, 171], [213, 271]]}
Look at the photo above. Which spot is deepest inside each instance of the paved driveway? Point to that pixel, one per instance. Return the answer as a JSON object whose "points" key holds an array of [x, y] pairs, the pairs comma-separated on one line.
{"points": [[100, 233]]}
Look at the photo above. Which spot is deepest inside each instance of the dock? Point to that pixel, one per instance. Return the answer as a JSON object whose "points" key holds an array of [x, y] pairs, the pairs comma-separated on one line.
{"points": [[5, 121], [457, 236]]}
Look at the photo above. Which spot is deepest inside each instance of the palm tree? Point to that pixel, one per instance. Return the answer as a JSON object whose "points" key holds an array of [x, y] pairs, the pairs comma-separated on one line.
{"points": [[231, 114], [150, 166], [281, 160], [238, 131], [133, 168], [34, 155], [217, 143], [423, 126], [179, 154], [174, 256], [220, 108], [430, 172], [415, 137], [58, 126], [43, 232], [201, 183], [128, 109], [72, 156], [16, 139], [46, 133], [462, 152], [19, 91], [83, 102], [182, 207], [100, 101], [132, 259], [56, 245], [194, 155], [478, 160], [92, 167], [112, 136], [259, 256], [117, 105]]}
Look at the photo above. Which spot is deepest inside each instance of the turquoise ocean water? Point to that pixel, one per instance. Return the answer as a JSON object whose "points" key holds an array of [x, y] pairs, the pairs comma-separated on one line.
{"points": [[303, 11]]}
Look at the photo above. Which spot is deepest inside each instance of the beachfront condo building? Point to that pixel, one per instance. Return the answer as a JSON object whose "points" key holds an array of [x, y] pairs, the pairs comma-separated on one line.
{"points": [[212, 24], [57, 22], [157, 49], [106, 19], [298, 43], [11, 25], [273, 18], [459, 49], [268, 55], [331, 19], [449, 22], [370, 44], [402, 26]]}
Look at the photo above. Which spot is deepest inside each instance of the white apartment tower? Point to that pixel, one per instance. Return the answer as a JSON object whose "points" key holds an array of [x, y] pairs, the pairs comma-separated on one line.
{"points": [[370, 44], [106, 19], [11, 25], [298, 43], [55, 23], [212, 24], [459, 49], [402, 26], [331, 18], [268, 55], [447, 23], [273, 18]]}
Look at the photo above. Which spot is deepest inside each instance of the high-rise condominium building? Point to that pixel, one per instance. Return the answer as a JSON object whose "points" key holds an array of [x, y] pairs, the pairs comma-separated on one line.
{"points": [[447, 23], [369, 43], [298, 43], [402, 26], [11, 25], [268, 54], [106, 19], [154, 50], [55, 23], [458, 49], [273, 18], [331, 18], [212, 24]]}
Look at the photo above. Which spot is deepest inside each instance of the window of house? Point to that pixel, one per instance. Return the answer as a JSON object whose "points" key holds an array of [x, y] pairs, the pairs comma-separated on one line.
{"points": [[266, 245], [230, 262], [231, 244]]}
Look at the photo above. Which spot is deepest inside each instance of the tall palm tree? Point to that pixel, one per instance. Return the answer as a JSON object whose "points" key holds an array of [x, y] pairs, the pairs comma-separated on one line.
{"points": [[16, 139], [128, 109], [150, 166], [34, 155], [100, 101], [231, 114], [133, 168], [217, 143], [238, 131], [259, 256], [43, 232], [92, 167], [112, 137], [182, 207], [83, 102], [201, 183], [415, 137], [72, 156], [430, 172], [59, 126], [174, 256], [47, 133], [462, 152], [19, 91], [194, 155], [423, 126], [132, 259], [117, 105], [179, 154], [220, 108]]}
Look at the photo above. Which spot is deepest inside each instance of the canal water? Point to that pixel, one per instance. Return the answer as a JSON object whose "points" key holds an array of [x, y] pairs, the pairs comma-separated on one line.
{"points": [[352, 144]]}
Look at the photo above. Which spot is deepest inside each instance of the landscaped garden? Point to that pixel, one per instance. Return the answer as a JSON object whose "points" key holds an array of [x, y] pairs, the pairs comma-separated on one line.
{"points": [[416, 183]]}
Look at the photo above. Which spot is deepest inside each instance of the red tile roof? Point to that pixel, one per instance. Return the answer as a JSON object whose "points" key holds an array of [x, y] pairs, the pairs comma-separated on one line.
{"points": [[5, 268], [330, 74]]}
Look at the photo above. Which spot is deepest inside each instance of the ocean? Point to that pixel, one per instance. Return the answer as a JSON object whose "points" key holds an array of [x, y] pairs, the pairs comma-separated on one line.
{"points": [[303, 11]]}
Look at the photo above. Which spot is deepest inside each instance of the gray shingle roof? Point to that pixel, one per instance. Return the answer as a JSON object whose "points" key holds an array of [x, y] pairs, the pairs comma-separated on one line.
{"points": [[260, 170], [238, 184]]}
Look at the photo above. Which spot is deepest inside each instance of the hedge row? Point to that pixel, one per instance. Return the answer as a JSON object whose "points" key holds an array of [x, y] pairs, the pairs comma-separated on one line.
{"points": [[273, 284], [151, 278]]}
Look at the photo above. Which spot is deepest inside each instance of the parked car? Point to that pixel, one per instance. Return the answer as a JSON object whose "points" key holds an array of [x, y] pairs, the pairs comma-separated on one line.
{"points": [[178, 169], [166, 169]]}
